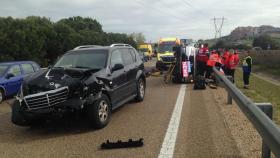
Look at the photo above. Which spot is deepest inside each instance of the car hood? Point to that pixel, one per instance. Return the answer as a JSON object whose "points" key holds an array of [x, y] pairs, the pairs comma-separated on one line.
{"points": [[50, 79]]}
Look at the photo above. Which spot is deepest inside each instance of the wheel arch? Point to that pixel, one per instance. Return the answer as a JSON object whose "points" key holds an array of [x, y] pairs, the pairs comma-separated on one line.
{"points": [[140, 74], [108, 95]]}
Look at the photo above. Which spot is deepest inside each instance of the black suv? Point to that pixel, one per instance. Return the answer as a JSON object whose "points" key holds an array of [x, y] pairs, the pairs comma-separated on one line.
{"points": [[92, 80]]}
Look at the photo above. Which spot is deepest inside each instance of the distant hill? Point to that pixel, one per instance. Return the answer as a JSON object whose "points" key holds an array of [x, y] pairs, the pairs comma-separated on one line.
{"points": [[251, 32], [246, 35]]}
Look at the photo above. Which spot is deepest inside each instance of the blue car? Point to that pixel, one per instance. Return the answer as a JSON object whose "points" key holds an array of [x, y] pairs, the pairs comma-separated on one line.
{"points": [[12, 74]]}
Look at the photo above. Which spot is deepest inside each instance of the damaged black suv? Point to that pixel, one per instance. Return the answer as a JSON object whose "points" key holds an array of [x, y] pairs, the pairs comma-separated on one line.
{"points": [[92, 80]]}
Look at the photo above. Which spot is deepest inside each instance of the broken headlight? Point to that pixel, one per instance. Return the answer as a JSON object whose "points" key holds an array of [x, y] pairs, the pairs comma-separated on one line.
{"points": [[20, 95]]}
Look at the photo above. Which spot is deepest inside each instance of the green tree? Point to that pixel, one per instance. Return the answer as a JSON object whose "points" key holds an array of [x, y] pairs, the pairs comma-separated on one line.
{"points": [[79, 23], [39, 39], [138, 37]]}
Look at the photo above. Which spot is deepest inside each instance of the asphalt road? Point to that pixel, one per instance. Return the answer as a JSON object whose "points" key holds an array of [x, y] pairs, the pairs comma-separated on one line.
{"points": [[201, 133]]}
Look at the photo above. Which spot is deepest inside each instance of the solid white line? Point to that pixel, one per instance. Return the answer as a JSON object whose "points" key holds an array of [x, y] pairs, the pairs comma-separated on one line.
{"points": [[169, 141]]}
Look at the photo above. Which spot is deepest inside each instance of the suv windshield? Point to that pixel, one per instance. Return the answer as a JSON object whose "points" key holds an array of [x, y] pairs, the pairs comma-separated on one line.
{"points": [[88, 59], [3, 68], [165, 48]]}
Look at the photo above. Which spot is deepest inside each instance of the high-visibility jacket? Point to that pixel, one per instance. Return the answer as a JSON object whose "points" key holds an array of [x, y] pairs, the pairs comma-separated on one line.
{"points": [[213, 59], [225, 58], [233, 61], [247, 64], [202, 55]]}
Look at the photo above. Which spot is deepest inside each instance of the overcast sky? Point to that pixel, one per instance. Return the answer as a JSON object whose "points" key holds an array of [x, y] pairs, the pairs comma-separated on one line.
{"points": [[161, 18]]}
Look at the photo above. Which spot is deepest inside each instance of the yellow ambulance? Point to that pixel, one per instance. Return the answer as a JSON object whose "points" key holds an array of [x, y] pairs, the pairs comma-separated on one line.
{"points": [[165, 55]]}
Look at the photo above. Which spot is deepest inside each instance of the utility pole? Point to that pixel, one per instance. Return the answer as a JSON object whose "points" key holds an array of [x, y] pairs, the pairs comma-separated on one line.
{"points": [[218, 23]]}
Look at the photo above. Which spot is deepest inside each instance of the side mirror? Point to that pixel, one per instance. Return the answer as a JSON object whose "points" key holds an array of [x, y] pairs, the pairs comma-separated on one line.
{"points": [[117, 67], [10, 75]]}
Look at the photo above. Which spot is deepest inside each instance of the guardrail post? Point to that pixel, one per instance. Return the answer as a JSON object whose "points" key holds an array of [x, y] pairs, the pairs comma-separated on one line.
{"points": [[268, 110], [229, 98]]}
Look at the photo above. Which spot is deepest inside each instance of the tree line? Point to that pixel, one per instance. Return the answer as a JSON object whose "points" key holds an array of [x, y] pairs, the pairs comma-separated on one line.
{"points": [[41, 40], [265, 41]]}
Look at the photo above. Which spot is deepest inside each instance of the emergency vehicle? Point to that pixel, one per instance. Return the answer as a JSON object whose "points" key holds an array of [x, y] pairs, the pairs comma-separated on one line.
{"points": [[165, 55]]}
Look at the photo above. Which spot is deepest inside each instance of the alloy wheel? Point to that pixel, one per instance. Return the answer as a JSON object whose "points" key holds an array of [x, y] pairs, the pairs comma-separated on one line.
{"points": [[103, 111]]}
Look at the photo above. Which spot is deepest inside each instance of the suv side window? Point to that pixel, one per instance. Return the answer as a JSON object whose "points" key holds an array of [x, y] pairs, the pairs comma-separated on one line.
{"points": [[127, 58], [27, 68], [132, 52], [116, 58], [15, 70]]}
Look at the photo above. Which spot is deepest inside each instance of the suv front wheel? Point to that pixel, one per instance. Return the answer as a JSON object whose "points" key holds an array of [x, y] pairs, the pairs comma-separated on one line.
{"points": [[100, 112], [140, 89]]}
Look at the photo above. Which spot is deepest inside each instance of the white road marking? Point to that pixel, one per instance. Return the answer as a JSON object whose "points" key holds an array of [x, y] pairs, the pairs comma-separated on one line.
{"points": [[169, 141]]}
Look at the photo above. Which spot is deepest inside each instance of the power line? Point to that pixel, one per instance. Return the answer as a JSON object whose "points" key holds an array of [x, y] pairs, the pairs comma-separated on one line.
{"points": [[218, 23], [193, 7], [167, 13], [163, 12]]}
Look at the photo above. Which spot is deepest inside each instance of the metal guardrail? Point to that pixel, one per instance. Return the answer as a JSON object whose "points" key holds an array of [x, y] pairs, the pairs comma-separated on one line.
{"points": [[267, 129]]}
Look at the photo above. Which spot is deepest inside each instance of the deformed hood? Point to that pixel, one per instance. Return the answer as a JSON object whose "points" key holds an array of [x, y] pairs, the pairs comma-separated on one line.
{"points": [[54, 78]]}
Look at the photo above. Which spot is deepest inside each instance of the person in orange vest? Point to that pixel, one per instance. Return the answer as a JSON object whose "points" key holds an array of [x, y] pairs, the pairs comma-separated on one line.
{"points": [[224, 60], [232, 63], [214, 60], [201, 59], [211, 62]]}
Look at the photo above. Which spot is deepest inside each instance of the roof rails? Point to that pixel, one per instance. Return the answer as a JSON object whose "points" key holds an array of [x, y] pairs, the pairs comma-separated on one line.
{"points": [[120, 45], [86, 46]]}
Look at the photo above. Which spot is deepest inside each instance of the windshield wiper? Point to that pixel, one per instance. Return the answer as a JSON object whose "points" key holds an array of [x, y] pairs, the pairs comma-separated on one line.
{"points": [[82, 67], [58, 67]]}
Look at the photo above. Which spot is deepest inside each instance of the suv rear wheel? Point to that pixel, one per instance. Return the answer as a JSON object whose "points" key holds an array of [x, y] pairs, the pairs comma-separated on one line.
{"points": [[100, 112], [140, 90]]}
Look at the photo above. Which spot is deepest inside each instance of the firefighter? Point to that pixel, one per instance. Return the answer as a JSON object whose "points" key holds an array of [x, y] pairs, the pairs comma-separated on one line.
{"points": [[232, 63], [246, 66], [201, 59]]}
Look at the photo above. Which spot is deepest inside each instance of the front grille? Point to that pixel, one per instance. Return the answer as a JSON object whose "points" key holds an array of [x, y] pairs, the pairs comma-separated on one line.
{"points": [[168, 59], [46, 99]]}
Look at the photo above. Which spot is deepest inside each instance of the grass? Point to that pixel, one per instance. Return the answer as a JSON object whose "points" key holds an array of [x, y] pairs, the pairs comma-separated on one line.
{"points": [[273, 70], [261, 91]]}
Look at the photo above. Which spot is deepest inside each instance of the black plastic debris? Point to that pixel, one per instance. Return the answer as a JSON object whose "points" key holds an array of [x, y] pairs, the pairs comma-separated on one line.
{"points": [[120, 144]]}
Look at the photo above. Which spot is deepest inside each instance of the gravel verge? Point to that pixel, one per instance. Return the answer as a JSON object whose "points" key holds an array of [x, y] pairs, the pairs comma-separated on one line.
{"points": [[247, 138]]}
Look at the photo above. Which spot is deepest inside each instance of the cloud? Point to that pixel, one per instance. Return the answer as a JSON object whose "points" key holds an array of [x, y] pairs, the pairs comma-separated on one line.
{"points": [[162, 18]]}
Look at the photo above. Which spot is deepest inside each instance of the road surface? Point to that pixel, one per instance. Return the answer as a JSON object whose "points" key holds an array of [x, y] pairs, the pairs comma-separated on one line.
{"points": [[201, 129]]}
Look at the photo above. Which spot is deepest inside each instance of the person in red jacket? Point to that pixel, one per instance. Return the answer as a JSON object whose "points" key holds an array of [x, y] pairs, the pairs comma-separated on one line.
{"points": [[211, 62], [232, 63], [214, 60], [201, 59]]}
